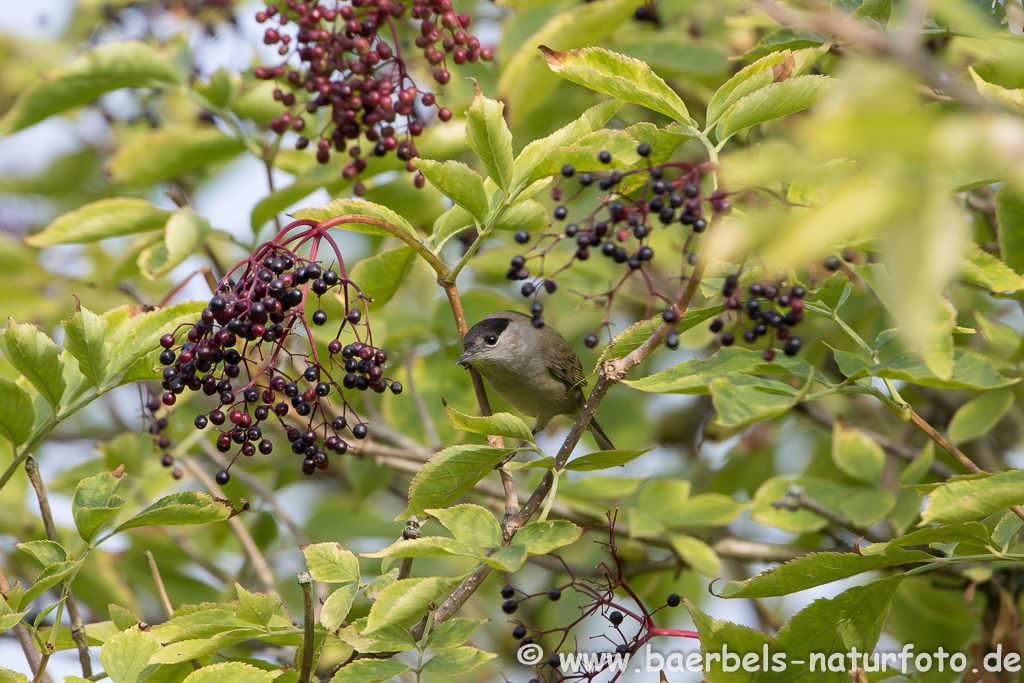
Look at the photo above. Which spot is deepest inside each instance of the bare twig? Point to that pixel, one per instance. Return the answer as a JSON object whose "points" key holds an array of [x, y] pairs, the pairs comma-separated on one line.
{"points": [[417, 401], [262, 568], [161, 590], [945, 444], [891, 446], [77, 625], [24, 637], [306, 581], [796, 499]]}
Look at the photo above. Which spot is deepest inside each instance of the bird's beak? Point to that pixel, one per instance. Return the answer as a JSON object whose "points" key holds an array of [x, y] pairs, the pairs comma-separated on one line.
{"points": [[464, 359]]}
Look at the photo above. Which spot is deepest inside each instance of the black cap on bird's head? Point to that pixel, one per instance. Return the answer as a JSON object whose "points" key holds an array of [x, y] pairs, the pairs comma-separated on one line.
{"points": [[482, 336]]}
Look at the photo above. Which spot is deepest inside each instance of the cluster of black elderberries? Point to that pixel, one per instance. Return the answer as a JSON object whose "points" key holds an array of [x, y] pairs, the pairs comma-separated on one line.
{"points": [[772, 311], [634, 202], [239, 351], [350, 65]]}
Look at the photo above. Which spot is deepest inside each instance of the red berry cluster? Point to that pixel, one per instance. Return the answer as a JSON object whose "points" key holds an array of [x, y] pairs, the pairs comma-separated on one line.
{"points": [[630, 621], [772, 309], [351, 66], [620, 227], [240, 351]]}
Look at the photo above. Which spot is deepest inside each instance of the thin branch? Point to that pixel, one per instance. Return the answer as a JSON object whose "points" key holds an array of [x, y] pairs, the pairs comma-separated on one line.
{"points": [[255, 485], [891, 446], [306, 581], [417, 401], [77, 625], [24, 637], [945, 444], [161, 590], [262, 568], [796, 499]]}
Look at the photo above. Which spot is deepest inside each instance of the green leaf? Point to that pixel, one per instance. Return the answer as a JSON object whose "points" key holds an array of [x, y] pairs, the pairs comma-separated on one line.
{"points": [[833, 628], [619, 76], [51, 575], [137, 336], [528, 214], [835, 291], [695, 376], [94, 502], [818, 569], [634, 336], [458, 182], [452, 633], [99, 220], [970, 371], [381, 275], [972, 533], [456, 661], [603, 460], [184, 233], [84, 334], [106, 67], [370, 671], [18, 415], [353, 206], [232, 672], [501, 424], [715, 637], [538, 151], [742, 400], [407, 599], [169, 152], [489, 137], [8, 618], [46, 552], [330, 563], [125, 656], [35, 356], [122, 618], [1010, 216], [428, 546], [984, 269], [256, 608], [857, 454], [772, 102], [964, 500], [186, 507], [1011, 98], [541, 538], [510, 559], [788, 38], [696, 553], [337, 606], [979, 415], [773, 68], [449, 474], [470, 524]]}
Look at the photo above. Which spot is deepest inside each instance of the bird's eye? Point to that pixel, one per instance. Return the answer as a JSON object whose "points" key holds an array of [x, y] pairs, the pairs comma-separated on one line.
{"points": [[491, 339]]}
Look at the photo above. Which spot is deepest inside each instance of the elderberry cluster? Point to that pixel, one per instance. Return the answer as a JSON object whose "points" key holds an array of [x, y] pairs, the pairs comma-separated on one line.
{"points": [[633, 204], [157, 427], [630, 623], [351, 66], [239, 351], [771, 309]]}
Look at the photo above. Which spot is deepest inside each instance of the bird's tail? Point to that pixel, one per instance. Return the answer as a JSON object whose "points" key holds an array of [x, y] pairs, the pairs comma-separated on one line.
{"points": [[603, 442]]}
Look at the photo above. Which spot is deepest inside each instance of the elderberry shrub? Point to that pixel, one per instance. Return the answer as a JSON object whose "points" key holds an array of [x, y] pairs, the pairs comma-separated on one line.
{"points": [[346, 59], [632, 204], [252, 348]]}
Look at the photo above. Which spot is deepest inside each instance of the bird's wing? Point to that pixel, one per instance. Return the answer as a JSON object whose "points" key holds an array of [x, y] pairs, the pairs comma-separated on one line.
{"points": [[570, 371]]}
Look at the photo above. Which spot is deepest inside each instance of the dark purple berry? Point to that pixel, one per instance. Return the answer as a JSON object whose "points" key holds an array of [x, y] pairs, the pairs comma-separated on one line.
{"points": [[223, 477], [792, 346], [590, 340], [522, 236], [604, 156], [359, 431], [615, 618], [509, 606], [672, 600], [643, 149], [554, 594], [519, 632]]}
